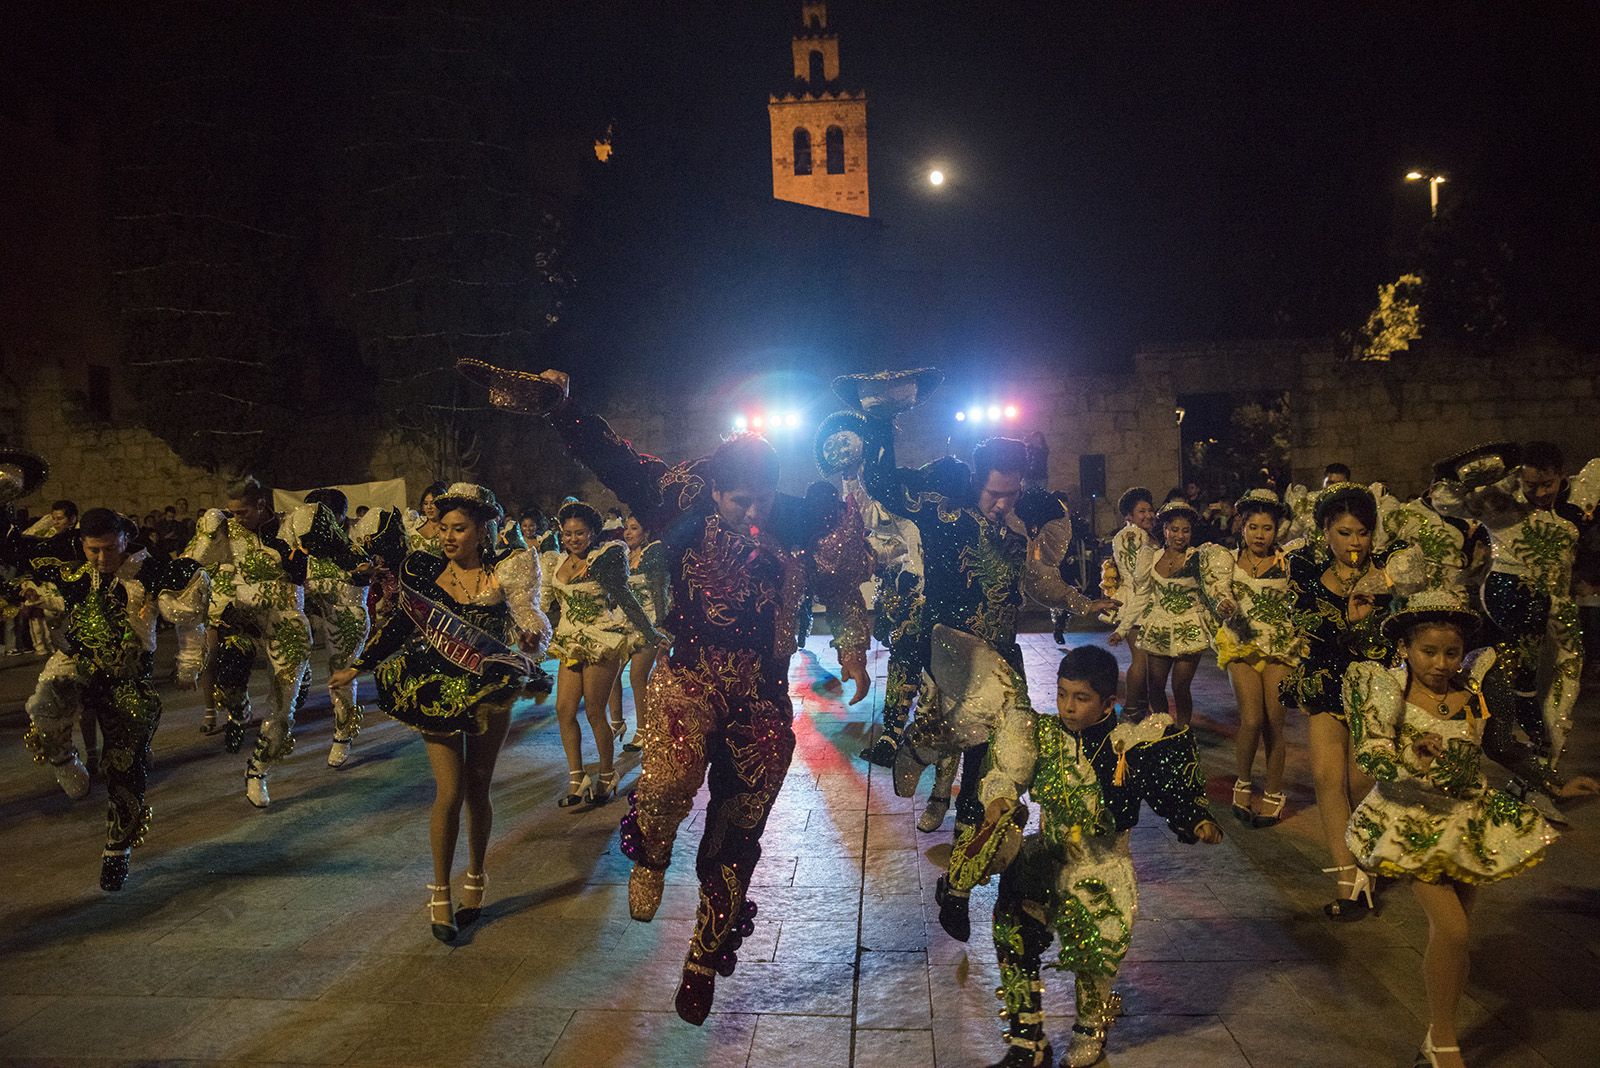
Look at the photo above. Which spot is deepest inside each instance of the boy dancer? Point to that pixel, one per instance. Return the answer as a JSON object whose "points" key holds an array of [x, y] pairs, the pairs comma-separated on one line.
{"points": [[258, 562], [1088, 773], [977, 567], [112, 598]]}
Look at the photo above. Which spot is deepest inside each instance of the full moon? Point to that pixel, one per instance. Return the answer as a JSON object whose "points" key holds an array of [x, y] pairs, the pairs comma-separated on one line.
{"points": [[936, 177]]}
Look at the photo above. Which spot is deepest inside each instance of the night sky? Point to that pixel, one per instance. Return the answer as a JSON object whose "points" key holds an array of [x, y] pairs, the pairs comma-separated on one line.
{"points": [[1121, 173], [1127, 173]]}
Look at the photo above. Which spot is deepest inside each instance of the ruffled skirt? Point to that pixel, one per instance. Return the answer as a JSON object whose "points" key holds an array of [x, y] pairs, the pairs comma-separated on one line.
{"points": [[427, 693], [1409, 829]]}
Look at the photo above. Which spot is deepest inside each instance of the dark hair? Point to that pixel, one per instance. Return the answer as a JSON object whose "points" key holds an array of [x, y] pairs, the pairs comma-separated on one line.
{"points": [[822, 492], [432, 489], [1464, 629], [584, 514], [333, 500], [1356, 501], [1247, 507], [68, 507], [1174, 494], [250, 490], [949, 477], [1544, 456], [744, 461], [1186, 512], [169, 508], [1131, 497], [999, 454], [1337, 469], [103, 522], [482, 514], [1093, 665], [540, 523]]}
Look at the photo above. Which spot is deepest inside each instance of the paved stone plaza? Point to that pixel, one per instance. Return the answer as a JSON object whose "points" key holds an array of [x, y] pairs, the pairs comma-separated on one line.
{"points": [[298, 935]]}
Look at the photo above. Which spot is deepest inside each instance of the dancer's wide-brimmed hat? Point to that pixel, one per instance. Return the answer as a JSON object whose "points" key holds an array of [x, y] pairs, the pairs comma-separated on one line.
{"points": [[471, 497], [1262, 499], [1441, 605], [1177, 510], [514, 391], [1480, 465], [1334, 495], [21, 472], [839, 443], [888, 392]]}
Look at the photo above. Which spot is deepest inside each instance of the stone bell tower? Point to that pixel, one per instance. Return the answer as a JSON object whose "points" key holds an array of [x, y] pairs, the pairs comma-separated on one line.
{"points": [[819, 124]]}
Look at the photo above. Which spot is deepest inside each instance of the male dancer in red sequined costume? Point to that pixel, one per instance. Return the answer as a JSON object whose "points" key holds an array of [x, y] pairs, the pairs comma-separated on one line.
{"points": [[740, 557]]}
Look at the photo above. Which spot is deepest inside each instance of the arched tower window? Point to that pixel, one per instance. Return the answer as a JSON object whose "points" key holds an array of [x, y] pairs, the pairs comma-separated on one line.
{"points": [[802, 150], [816, 68], [834, 139]]}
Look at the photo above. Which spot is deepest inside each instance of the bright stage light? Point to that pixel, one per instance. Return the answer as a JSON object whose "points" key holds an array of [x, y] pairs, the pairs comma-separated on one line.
{"points": [[994, 413], [975, 414], [740, 422], [961, 417], [792, 420], [1011, 411], [758, 422]]}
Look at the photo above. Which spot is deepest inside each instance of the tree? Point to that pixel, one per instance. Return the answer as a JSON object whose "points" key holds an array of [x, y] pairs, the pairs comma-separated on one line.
{"points": [[1254, 450], [1395, 323]]}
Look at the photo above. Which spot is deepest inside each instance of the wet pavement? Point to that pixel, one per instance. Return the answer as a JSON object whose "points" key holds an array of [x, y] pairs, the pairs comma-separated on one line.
{"points": [[298, 935]]}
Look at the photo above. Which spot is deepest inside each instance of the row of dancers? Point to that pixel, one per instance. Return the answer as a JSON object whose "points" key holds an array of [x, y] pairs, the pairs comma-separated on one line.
{"points": [[1364, 625]]}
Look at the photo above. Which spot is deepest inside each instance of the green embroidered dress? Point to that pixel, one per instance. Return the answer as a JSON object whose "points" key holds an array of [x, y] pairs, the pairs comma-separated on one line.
{"points": [[1441, 821]]}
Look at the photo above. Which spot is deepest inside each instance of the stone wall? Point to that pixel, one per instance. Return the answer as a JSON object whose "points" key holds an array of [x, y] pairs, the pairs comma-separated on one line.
{"points": [[103, 465], [125, 467], [1388, 421], [1391, 421]]}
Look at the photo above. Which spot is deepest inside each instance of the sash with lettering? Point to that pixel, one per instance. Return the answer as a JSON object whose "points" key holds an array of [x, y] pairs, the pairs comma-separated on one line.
{"points": [[464, 644]]}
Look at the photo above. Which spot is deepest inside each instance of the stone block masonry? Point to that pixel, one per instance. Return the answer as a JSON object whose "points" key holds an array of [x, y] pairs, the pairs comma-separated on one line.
{"points": [[1388, 421], [130, 469]]}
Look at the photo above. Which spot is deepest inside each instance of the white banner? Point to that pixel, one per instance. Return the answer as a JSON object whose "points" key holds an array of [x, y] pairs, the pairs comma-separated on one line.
{"points": [[390, 493]]}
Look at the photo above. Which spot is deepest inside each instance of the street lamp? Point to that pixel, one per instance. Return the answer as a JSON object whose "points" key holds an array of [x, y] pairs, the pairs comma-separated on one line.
{"points": [[1434, 182]]}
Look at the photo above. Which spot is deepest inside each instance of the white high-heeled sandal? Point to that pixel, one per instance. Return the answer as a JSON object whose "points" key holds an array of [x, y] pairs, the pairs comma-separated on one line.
{"points": [[1242, 812], [1265, 818], [1353, 907], [580, 788], [1429, 1049], [471, 883], [446, 931]]}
